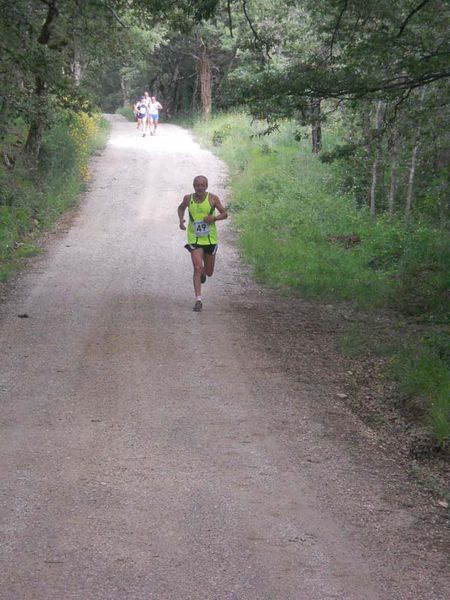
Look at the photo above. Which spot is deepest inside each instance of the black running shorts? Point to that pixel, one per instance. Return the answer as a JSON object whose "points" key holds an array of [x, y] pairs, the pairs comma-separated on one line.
{"points": [[207, 248]]}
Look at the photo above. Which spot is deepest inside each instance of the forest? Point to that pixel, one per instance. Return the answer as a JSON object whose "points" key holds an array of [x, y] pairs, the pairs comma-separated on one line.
{"points": [[341, 104]]}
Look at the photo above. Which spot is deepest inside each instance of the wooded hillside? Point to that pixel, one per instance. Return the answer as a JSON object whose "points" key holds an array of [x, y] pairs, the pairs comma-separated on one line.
{"points": [[381, 67]]}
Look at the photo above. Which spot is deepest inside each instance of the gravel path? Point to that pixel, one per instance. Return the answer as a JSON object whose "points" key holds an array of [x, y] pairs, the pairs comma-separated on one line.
{"points": [[151, 453]]}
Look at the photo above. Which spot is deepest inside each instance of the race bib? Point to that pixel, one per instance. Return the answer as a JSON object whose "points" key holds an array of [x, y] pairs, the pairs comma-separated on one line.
{"points": [[201, 229]]}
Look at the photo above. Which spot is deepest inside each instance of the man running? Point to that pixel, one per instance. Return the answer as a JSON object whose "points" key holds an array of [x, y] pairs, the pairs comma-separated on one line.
{"points": [[142, 112], [154, 108], [201, 232]]}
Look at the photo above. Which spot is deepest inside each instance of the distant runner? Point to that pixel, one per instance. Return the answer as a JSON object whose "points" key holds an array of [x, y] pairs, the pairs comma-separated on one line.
{"points": [[201, 232], [154, 108], [142, 114]]}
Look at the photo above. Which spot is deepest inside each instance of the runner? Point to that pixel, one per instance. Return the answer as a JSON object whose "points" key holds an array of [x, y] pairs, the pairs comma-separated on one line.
{"points": [[201, 232], [142, 112], [154, 108]]}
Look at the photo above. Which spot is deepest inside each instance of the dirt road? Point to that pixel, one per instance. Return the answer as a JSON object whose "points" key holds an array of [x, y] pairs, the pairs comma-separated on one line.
{"points": [[153, 453]]}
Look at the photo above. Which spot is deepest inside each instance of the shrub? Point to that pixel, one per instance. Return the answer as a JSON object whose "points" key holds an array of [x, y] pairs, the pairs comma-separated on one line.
{"points": [[126, 111], [423, 373], [31, 200], [290, 208], [219, 135]]}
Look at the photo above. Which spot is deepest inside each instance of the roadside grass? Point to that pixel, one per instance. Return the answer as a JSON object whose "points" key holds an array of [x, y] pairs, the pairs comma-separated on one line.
{"points": [[32, 200], [420, 366], [296, 231], [302, 236], [422, 371], [126, 111]]}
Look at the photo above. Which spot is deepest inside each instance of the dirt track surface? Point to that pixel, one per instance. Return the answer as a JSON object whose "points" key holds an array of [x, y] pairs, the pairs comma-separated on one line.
{"points": [[152, 453]]}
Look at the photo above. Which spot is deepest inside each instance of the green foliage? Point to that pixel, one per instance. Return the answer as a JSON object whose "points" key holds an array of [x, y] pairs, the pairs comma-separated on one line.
{"points": [[424, 274], [335, 49], [423, 373], [219, 135], [32, 200], [291, 221], [126, 111]]}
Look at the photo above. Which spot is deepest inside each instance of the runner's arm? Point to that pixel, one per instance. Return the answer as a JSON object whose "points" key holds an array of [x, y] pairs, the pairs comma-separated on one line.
{"points": [[181, 210], [223, 214]]}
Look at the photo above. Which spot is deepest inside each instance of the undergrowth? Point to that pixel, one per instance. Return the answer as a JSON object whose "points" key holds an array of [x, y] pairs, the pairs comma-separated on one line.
{"points": [[423, 373], [299, 233], [31, 200], [126, 111]]}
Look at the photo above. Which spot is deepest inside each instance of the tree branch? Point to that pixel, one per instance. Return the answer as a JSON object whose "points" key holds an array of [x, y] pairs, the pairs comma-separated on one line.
{"points": [[230, 21], [52, 15], [396, 85], [116, 16], [255, 33], [336, 28], [411, 14]]}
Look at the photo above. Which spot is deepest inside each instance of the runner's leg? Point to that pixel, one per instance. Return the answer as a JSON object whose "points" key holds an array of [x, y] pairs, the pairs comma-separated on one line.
{"points": [[209, 261], [197, 262]]}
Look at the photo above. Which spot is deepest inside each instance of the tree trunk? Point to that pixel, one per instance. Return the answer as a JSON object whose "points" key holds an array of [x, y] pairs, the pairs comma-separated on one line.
{"points": [[316, 127], [195, 94], [77, 67], [171, 101], [376, 160], [366, 136], [394, 172], [37, 124], [412, 167], [366, 127], [412, 174], [205, 68], [39, 112], [125, 89]]}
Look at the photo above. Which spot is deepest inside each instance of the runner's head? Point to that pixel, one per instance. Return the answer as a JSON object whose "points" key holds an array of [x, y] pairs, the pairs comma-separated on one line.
{"points": [[153, 98], [200, 183]]}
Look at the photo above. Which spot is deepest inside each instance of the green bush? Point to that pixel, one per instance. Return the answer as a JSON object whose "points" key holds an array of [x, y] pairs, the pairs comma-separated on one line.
{"points": [[294, 219], [32, 200], [59, 151], [423, 372], [289, 212], [424, 273], [219, 135], [127, 112]]}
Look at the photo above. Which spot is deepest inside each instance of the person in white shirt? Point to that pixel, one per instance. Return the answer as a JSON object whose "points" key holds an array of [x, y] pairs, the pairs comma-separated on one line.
{"points": [[141, 112], [154, 108]]}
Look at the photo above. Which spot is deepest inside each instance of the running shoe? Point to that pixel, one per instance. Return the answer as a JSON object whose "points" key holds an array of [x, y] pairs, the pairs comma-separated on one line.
{"points": [[203, 278], [198, 306]]}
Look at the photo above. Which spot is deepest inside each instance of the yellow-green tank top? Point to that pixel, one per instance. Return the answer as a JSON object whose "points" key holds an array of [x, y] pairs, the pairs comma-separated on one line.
{"points": [[198, 231]]}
